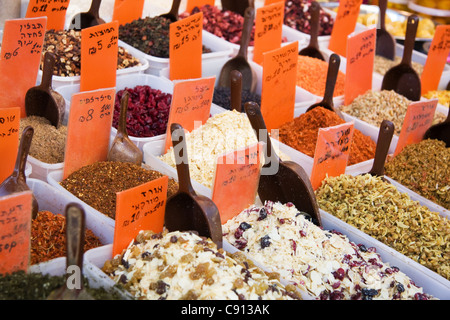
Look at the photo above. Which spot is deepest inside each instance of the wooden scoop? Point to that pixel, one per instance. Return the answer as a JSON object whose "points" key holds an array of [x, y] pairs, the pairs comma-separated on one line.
{"points": [[402, 78], [385, 44], [172, 15], [17, 181], [239, 62], [332, 73], [236, 91], [383, 143], [312, 50], [185, 210], [42, 100], [440, 131], [288, 181], [87, 19], [123, 149], [75, 228]]}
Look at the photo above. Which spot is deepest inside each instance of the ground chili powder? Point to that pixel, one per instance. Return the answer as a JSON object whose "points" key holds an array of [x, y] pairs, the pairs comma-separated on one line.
{"points": [[301, 134]]}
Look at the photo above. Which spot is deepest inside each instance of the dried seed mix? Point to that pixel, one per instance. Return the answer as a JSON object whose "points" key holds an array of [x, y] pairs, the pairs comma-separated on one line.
{"points": [[98, 183], [48, 143], [381, 65], [48, 237], [297, 15], [378, 209], [424, 167], [301, 134]]}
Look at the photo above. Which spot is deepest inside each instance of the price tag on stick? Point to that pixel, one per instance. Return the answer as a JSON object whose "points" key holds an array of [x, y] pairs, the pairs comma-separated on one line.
{"points": [[191, 104], [15, 232], [332, 152], [359, 69], [139, 208], [436, 59], [191, 4], [418, 118], [55, 11], [344, 24], [279, 83], [20, 57], [99, 50], [89, 129], [126, 11], [9, 140], [268, 30], [236, 180], [185, 40]]}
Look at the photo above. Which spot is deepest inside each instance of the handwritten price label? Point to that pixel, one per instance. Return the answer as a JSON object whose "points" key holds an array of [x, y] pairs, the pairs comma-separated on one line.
{"points": [[418, 119], [344, 24], [99, 47], [139, 208], [9, 140], [15, 231], [360, 57], [278, 87], [54, 10], [185, 40], [332, 152], [20, 55], [236, 180], [89, 128], [125, 11], [268, 30]]}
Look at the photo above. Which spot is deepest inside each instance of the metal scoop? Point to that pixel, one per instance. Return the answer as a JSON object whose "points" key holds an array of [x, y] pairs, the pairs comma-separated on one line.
{"points": [[312, 50], [123, 149], [236, 91], [385, 44], [87, 19], [42, 100], [332, 73], [172, 15], [440, 131], [75, 228], [185, 210], [289, 183], [239, 62], [17, 181], [385, 134], [402, 78]]}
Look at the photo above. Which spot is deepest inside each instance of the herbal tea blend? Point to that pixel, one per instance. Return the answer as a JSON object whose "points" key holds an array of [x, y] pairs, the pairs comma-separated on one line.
{"points": [[297, 16], [222, 98]]}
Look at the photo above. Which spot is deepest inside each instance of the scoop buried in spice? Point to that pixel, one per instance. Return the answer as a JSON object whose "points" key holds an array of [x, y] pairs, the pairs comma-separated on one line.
{"points": [[312, 50], [17, 181], [87, 19], [440, 131], [283, 181], [74, 288], [239, 62], [42, 100], [185, 210], [172, 15], [332, 74], [236, 91], [385, 43], [123, 149]]}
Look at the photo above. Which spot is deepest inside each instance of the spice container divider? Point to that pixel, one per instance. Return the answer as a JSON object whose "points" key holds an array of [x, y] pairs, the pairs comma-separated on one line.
{"points": [[42, 169]]}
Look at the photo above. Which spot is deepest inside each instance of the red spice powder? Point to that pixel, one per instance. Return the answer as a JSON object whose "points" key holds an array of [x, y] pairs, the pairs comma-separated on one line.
{"points": [[301, 134]]}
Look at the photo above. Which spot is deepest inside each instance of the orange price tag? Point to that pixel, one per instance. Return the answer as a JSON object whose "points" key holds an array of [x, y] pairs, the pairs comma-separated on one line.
{"points": [[191, 104], [359, 69], [332, 152], [436, 59], [236, 180], [191, 4], [344, 24], [19, 59], [9, 140], [268, 30], [15, 232], [418, 118], [54, 10], [126, 11], [278, 87], [139, 208], [89, 129], [185, 40], [268, 2], [99, 48]]}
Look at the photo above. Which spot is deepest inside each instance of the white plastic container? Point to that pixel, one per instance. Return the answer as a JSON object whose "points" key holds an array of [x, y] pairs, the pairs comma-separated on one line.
{"points": [[42, 169]]}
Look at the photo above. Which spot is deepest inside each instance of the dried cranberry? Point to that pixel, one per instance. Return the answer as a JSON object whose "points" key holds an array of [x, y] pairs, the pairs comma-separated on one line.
{"points": [[297, 15], [238, 233], [241, 243], [339, 274]]}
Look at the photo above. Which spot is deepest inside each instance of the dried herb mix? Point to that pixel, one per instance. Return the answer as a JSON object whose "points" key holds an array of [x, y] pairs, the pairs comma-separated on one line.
{"points": [[378, 209], [97, 184], [424, 167]]}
